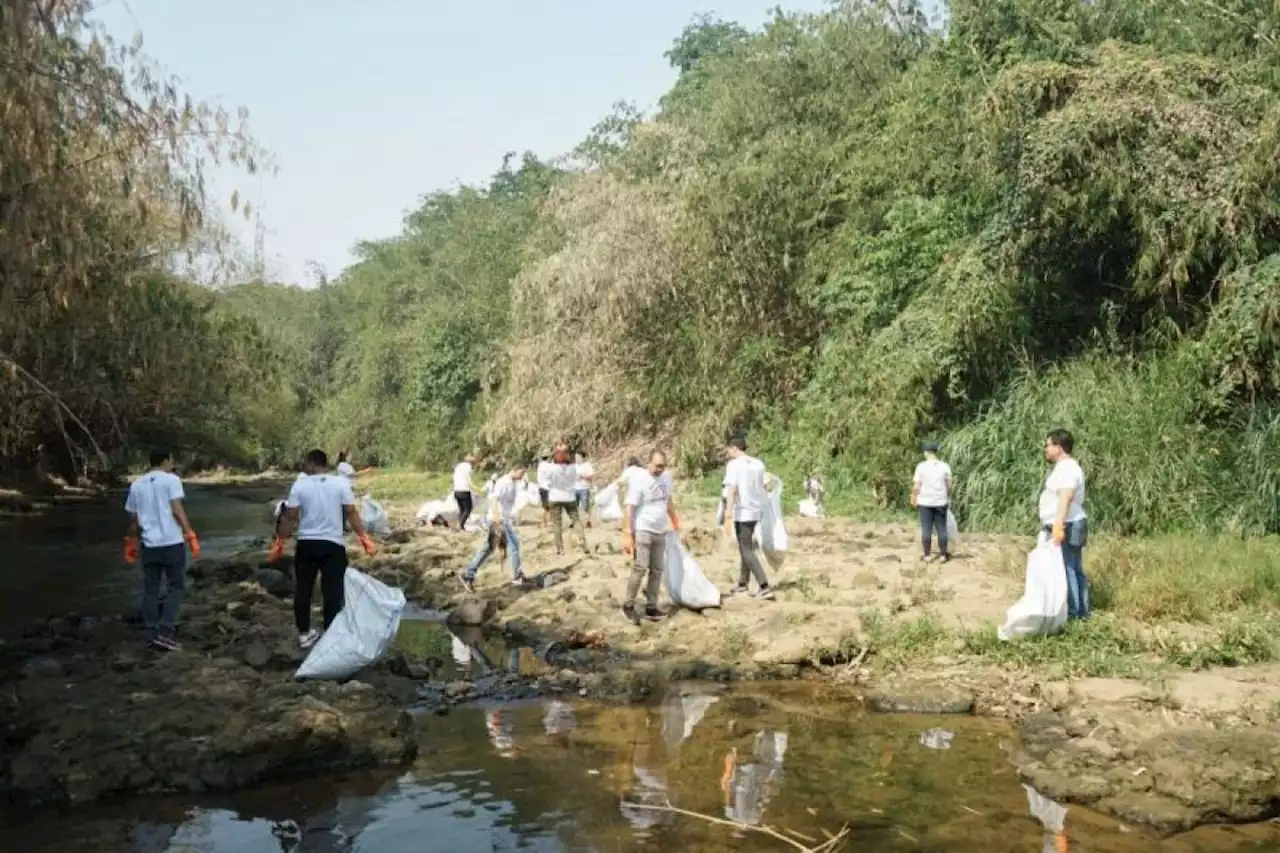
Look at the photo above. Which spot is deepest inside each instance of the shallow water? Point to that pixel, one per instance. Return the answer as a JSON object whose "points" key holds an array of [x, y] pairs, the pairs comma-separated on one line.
{"points": [[67, 559], [554, 777]]}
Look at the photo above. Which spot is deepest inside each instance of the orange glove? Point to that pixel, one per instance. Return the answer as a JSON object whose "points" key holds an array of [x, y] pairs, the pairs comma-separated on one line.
{"points": [[193, 543], [277, 550], [368, 545], [1059, 534], [629, 544], [130, 550], [675, 522]]}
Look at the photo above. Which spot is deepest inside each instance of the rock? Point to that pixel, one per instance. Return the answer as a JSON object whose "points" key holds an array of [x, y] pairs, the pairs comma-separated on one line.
{"points": [[43, 667], [257, 655], [553, 578], [866, 580], [274, 582], [921, 699], [472, 611], [457, 689]]}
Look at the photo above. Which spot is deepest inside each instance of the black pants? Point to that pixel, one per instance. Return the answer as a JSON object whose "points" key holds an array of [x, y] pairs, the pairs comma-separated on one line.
{"points": [[751, 567], [933, 518], [464, 508], [329, 561]]}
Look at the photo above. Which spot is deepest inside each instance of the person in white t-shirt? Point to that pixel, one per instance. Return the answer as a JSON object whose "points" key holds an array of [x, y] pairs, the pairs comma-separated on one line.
{"points": [[1062, 516], [649, 511], [561, 477], [502, 528], [582, 487], [931, 495], [345, 468], [157, 519], [463, 489], [744, 495], [315, 509]]}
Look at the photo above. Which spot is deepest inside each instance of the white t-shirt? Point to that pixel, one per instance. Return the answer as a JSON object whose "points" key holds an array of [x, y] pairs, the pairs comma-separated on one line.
{"points": [[462, 477], [149, 500], [320, 499], [544, 475], [585, 470], [625, 478], [747, 474], [345, 469], [933, 476], [560, 480], [1066, 474], [503, 496], [648, 497]]}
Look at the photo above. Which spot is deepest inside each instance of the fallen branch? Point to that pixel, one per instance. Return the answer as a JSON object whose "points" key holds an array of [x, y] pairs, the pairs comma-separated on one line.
{"points": [[59, 406], [826, 847]]}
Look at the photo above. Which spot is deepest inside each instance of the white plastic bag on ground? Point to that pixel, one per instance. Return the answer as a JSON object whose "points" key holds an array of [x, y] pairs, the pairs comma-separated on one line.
{"points": [[608, 507], [686, 584], [953, 532], [1043, 606], [771, 534], [374, 517], [360, 635], [430, 510], [809, 508]]}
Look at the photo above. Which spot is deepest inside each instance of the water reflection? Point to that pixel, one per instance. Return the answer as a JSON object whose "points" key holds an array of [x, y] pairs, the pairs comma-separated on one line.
{"points": [[559, 776]]}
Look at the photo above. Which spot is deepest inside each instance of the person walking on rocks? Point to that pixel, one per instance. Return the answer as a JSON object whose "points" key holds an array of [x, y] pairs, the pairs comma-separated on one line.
{"points": [[561, 478], [1063, 518], [318, 503], [502, 523], [463, 490], [582, 487], [744, 497], [931, 496], [158, 520], [649, 511]]}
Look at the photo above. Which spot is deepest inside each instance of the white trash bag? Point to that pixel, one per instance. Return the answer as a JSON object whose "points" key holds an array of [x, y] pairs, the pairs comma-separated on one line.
{"points": [[1043, 606], [527, 496], [809, 508], [360, 634], [608, 508], [771, 534], [953, 532], [686, 584], [374, 517]]}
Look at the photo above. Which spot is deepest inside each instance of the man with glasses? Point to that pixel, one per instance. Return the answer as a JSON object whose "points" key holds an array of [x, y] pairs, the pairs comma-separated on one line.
{"points": [[649, 511]]}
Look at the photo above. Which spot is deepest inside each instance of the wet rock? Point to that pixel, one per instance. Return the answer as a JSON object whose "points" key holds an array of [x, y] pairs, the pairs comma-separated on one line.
{"points": [[457, 689], [472, 611], [552, 578], [921, 699], [43, 667], [274, 582]]}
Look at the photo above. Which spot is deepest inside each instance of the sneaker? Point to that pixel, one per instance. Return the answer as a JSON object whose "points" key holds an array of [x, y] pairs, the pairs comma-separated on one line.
{"points": [[653, 614], [927, 558], [736, 589], [945, 558], [468, 584], [166, 643], [629, 611], [519, 580], [308, 639], [765, 593]]}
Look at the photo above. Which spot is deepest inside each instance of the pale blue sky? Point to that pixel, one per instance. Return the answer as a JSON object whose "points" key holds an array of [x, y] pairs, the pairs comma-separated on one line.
{"points": [[368, 105]]}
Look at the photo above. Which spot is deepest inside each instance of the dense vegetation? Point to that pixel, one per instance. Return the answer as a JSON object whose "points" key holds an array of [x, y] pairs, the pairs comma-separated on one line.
{"points": [[843, 233]]}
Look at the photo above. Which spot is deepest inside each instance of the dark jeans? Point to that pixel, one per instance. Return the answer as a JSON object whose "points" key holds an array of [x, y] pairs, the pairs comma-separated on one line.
{"points": [[751, 566], [464, 508], [1077, 583], [328, 560], [933, 518], [584, 503], [170, 563]]}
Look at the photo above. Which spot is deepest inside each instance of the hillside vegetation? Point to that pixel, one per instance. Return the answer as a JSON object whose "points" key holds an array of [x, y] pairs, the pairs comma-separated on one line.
{"points": [[841, 233]]}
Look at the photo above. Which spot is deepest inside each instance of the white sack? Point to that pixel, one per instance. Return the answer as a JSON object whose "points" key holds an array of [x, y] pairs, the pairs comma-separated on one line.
{"points": [[360, 634], [770, 534], [608, 507], [527, 496], [809, 508], [1043, 606], [374, 517], [953, 532], [686, 584]]}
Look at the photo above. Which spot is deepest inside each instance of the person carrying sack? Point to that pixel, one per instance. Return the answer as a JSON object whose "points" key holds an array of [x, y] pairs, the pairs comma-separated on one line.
{"points": [[502, 528], [318, 503], [561, 478], [649, 512], [1062, 517]]}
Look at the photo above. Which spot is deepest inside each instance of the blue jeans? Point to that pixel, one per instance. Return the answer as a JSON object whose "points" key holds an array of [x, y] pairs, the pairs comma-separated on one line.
{"points": [[584, 502], [486, 550], [169, 564], [1077, 583]]}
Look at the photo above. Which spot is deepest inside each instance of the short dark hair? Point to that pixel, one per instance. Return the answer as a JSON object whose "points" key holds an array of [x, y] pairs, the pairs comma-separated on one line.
{"points": [[318, 458], [633, 462], [342, 456], [1062, 438], [739, 441], [159, 456]]}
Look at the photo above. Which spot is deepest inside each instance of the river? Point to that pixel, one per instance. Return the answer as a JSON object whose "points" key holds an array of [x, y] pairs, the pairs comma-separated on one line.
{"points": [[578, 776]]}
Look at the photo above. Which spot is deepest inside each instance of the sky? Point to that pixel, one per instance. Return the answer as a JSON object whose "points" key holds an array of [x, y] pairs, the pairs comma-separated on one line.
{"points": [[368, 106]]}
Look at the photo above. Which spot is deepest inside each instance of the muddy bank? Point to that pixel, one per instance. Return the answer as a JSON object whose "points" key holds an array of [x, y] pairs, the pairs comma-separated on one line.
{"points": [[88, 711], [1147, 754]]}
